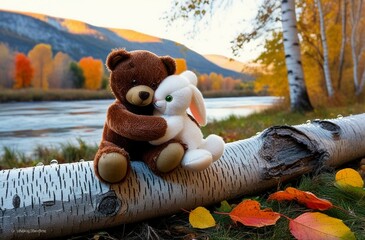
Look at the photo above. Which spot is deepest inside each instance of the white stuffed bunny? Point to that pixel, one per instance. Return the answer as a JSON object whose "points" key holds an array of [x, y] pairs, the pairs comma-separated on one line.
{"points": [[173, 97]]}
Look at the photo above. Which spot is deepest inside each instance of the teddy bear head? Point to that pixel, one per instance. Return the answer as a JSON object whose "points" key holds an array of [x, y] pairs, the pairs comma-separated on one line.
{"points": [[135, 76]]}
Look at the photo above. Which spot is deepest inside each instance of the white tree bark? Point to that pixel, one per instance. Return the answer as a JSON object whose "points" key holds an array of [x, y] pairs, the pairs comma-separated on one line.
{"points": [[343, 9], [59, 200], [326, 67], [355, 13], [299, 99]]}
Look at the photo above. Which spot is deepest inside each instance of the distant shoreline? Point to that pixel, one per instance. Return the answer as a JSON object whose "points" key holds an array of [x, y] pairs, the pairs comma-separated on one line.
{"points": [[37, 95]]}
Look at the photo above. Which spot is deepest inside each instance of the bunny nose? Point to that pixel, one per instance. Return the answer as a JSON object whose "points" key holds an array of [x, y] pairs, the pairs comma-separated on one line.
{"points": [[144, 95]]}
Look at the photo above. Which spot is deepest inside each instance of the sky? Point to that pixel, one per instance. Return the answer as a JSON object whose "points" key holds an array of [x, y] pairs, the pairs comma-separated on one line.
{"points": [[146, 16]]}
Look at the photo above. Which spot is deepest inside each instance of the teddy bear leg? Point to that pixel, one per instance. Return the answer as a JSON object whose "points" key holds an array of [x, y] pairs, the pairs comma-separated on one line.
{"points": [[111, 163], [166, 157]]}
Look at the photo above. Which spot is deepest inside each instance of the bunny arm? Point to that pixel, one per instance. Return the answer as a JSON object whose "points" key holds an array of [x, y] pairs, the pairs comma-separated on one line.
{"points": [[175, 125], [133, 126]]}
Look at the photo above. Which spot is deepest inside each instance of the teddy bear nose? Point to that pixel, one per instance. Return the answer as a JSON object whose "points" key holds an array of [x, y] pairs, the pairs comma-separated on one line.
{"points": [[144, 95]]}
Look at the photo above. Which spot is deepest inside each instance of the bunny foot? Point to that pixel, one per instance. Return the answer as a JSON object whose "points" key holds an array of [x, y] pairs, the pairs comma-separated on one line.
{"points": [[215, 145], [197, 160]]}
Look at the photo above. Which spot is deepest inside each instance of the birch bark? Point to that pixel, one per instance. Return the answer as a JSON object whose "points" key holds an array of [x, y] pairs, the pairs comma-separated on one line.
{"points": [[326, 68], [355, 13], [62, 199], [343, 42], [299, 100]]}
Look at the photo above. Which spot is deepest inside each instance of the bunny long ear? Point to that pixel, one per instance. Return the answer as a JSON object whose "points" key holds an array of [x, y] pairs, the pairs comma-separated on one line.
{"points": [[197, 106], [193, 79]]}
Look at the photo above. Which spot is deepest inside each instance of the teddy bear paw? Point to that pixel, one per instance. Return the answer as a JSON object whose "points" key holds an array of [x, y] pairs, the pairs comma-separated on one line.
{"points": [[112, 167], [170, 157]]}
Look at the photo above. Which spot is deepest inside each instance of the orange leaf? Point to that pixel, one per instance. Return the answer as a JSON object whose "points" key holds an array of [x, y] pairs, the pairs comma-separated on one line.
{"points": [[306, 198], [249, 213], [319, 226]]}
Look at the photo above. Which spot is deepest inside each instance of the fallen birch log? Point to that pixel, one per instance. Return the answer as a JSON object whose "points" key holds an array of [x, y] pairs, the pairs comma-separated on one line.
{"points": [[63, 199]]}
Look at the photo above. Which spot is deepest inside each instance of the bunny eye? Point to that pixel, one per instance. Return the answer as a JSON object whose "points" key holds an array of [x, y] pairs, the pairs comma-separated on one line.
{"points": [[169, 98]]}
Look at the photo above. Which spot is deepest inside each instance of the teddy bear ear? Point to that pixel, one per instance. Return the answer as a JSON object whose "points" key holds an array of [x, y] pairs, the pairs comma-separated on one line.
{"points": [[115, 57], [170, 64]]}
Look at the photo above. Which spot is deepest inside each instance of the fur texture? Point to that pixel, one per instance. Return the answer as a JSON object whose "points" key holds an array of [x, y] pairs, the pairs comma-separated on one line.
{"points": [[172, 99], [129, 122]]}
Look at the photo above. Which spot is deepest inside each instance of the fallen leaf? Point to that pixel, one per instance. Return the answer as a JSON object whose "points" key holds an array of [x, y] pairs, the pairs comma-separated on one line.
{"points": [[306, 198], [319, 226], [201, 218], [225, 207], [249, 213], [349, 177]]}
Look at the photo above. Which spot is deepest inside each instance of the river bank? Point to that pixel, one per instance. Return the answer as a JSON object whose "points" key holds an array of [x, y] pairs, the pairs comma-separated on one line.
{"points": [[231, 129], [36, 95], [25, 125]]}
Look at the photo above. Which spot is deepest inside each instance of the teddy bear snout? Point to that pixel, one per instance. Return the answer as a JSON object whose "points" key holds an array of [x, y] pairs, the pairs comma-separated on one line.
{"points": [[140, 95], [144, 95]]}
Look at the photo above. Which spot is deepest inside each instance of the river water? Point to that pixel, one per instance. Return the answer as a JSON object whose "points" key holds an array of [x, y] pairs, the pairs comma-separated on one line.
{"points": [[25, 125]]}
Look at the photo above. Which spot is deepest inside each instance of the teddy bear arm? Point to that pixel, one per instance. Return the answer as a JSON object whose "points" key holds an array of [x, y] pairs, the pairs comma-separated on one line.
{"points": [[133, 126], [175, 125]]}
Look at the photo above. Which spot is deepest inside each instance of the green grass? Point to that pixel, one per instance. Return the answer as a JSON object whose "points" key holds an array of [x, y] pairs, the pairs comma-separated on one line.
{"points": [[65, 153], [177, 226], [32, 94], [349, 208], [236, 128]]}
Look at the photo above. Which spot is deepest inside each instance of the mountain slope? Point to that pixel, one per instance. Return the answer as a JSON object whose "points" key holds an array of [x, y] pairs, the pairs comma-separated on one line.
{"points": [[22, 31]]}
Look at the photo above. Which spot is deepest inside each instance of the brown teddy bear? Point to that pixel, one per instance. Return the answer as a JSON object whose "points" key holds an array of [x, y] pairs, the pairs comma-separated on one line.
{"points": [[129, 125]]}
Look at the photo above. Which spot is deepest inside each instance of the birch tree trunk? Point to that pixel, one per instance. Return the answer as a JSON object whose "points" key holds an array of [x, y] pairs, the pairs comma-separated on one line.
{"points": [[355, 13], [343, 10], [299, 100], [59, 200], [326, 67]]}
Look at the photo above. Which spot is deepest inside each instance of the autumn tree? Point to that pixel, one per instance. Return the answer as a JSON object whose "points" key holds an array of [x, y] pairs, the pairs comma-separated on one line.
{"points": [[180, 65], [24, 71], [41, 58], [60, 77], [77, 75], [267, 15], [272, 76], [93, 72], [326, 67], [357, 43], [6, 66], [343, 26]]}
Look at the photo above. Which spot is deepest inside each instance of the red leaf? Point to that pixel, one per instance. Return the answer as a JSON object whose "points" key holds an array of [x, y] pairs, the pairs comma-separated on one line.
{"points": [[249, 213], [306, 198], [319, 226]]}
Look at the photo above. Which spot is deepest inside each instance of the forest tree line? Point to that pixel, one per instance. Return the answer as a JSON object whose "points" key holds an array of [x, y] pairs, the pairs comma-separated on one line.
{"points": [[332, 45], [39, 69]]}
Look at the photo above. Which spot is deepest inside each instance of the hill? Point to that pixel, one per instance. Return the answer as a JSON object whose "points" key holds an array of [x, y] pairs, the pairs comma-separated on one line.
{"points": [[225, 62], [22, 31]]}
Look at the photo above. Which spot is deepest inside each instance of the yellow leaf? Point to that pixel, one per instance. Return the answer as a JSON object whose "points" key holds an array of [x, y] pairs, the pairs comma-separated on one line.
{"points": [[349, 177], [201, 218], [319, 226]]}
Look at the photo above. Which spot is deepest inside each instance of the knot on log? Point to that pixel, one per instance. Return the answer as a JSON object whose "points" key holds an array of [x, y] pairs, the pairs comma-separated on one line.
{"points": [[329, 126], [16, 201], [288, 151], [108, 204]]}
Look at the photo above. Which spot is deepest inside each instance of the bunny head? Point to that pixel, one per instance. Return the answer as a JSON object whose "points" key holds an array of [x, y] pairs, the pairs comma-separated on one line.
{"points": [[177, 93]]}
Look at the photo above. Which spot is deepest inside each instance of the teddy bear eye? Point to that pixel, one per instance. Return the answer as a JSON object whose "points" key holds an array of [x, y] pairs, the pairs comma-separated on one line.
{"points": [[169, 98], [153, 85], [134, 82]]}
